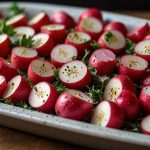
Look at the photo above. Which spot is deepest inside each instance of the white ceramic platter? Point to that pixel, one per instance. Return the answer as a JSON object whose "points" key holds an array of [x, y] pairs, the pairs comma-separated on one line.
{"points": [[64, 129]]}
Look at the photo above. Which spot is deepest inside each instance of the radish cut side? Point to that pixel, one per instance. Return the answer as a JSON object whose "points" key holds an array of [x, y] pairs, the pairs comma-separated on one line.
{"points": [[3, 37], [53, 27], [63, 53], [39, 94], [40, 40], [12, 86], [112, 89], [2, 79], [24, 30], [145, 125], [101, 115], [147, 90], [80, 95]]}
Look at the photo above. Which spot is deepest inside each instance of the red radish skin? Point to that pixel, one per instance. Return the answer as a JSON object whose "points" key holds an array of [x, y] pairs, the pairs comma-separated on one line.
{"points": [[17, 20], [145, 99], [73, 104], [91, 12], [56, 31], [133, 66], [147, 37], [113, 40], [80, 40], [43, 97], [128, 102], [17, 90], [24, 30], [138, 33], [145, 125], [75, 75], [43, 43], [61, 17], [116, 85], [7, 70], [21, 57], [63, 53], [104, 61], [142, 49], [91, 26], [146, 80], [3, 85], [108, 114], [38, 21], [4, 45], [41, 70], [117, 26]]}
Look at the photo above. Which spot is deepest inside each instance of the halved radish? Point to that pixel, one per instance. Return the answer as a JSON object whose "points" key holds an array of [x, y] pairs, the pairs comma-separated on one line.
{"points": [[43, 97], [142, 49], [104, 61], [137, 34], [56, 31], [113, 40], [91, 12], [73, 104], [146, 80], [41, 70], [39, 20], [129, 103], [21, 57], [80, 40], [17, 90], [24, 30], [115, 86], [17, 20], [61, 17], [145, 99], [62, 54], [43, 43], [147, 37], [91, 26], [133, 66], [145, 125], [108, 114], [3, 85], [7, 70], [117, 26], [75, 75], [4, 45]]}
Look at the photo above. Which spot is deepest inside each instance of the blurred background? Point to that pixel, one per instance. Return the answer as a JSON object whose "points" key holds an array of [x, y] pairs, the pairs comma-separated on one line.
{"points": [[103, 4]]}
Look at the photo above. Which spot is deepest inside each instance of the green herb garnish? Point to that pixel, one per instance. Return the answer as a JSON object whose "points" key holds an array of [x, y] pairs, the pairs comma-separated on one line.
{"points": [[108, 36], [24, 105], [92, 70], [8, 101], [129, 47], [94, 45], [86, 56]]}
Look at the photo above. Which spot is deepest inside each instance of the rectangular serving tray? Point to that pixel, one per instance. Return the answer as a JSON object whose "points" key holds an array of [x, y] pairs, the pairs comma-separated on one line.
{"points": [[76, 132]]}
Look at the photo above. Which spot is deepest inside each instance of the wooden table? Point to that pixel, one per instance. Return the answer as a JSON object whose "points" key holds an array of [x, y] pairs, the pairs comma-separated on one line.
{"points": [[15, 140]]}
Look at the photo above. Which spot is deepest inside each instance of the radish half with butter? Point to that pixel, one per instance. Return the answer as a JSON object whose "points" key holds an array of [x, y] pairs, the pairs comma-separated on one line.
{"points": [[38, 21], [142, 49], [73, 104], [4, 45], [24, 30], [113, 40], [43, 97], [133, 66], [3, 85], [43, 43], [56, 31], [17, 90], [91, 26], [137, 34], [75, 75], [145, 99], [80, 40], [21, 57], [108, 114], [63, 53], [115, 86], [145, 125], [17, 20], [7, 69], [104, 61], [41, 70]]}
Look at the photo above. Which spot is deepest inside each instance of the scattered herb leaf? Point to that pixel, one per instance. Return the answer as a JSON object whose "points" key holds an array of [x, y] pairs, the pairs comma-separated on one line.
{"points": [[129, 47], [108, 36], [92, 70], [86, 56], [8, 101], [94, 45], [24, 105]]}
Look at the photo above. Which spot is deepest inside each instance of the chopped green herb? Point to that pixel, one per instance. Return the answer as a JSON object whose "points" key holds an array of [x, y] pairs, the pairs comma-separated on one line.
{"points": [[129, 47], [94, 45], [36, 89], [24, 105], [8, 101], [92, 70], [108, 36]]}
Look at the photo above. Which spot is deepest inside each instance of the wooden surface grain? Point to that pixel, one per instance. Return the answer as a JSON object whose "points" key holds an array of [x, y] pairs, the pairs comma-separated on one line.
{"points": [[15, 140]]}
